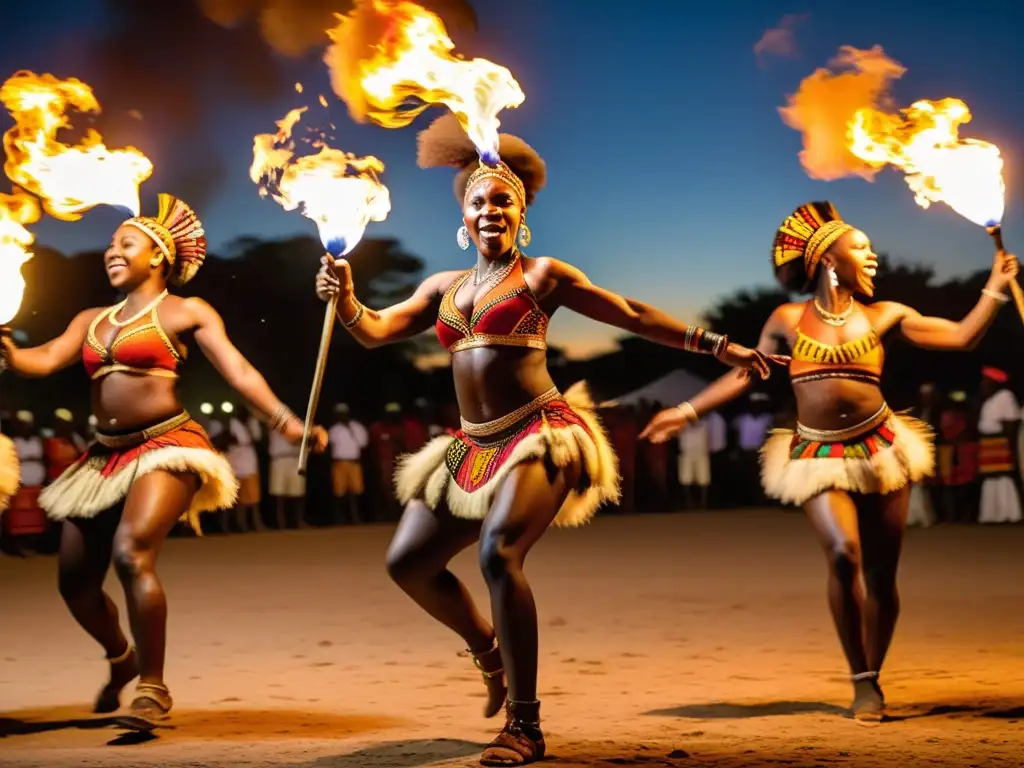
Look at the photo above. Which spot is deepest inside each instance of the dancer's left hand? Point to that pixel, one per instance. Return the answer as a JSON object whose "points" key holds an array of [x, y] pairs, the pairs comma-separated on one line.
{"points": [[317, 436], [751, 359]]}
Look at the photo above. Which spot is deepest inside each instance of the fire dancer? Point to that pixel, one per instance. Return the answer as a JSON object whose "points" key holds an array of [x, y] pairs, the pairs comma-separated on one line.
{"points": [[151, 463], [851, 460], [526, 456]]}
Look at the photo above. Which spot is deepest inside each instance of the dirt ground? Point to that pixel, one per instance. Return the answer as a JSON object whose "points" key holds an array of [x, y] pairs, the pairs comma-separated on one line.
{"points": [[684, 640]]}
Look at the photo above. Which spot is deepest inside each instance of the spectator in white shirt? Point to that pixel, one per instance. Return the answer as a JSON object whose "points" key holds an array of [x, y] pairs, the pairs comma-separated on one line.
{"points": [[240, 441], [287, 486], [998, 423], [347, 438], [695, 445]]}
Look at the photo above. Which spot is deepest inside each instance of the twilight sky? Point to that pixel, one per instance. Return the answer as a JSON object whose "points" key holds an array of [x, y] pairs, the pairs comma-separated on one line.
{"points": [[669, 166]]}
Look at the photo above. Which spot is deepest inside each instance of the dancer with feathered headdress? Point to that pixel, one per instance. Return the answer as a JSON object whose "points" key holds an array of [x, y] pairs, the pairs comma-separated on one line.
{"points": [[151, 464], [851, 461], [527, 455]]}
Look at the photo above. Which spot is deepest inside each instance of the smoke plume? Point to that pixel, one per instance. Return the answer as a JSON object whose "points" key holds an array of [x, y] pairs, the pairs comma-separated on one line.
{"points": [[826, 102]]}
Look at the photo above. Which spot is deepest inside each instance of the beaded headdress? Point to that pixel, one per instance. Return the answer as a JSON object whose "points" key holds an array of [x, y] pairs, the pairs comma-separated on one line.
{"points": [[178, 234], [499, 171], [807, 234]]}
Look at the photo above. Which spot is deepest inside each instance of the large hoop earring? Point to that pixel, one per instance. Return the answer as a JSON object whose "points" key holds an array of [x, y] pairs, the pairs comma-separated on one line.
{"points": [[524, 236], [462, 238]]}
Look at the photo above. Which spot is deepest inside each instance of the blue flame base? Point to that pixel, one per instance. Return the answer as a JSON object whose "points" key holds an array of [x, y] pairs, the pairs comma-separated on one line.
{"points": [[490, 158], [335, 246]]}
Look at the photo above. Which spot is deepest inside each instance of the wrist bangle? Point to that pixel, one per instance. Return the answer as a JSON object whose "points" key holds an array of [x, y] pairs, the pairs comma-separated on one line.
{"points": [[354, 321], [696, 339], [1000, 297], [280, 418], [689, 412]]}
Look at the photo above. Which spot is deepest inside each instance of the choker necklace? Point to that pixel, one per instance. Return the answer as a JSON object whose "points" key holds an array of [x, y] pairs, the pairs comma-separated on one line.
{"points": [[832, 318], [500, 272]]}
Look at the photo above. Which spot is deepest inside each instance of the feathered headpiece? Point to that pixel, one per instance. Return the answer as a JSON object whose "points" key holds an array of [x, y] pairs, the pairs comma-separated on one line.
{"points": [[444, 142], [802, 240], [178, 234]]}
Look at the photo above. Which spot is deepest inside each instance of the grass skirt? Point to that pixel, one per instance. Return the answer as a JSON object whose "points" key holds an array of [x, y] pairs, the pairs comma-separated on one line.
{"points": [[882, 459], [10, 472], [466, 472], [102, 477]]}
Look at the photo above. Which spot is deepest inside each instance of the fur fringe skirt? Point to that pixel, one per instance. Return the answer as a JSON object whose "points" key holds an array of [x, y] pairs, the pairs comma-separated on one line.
{"points": [[102, 477], [465, 470], [880, 455], [10, 473]]}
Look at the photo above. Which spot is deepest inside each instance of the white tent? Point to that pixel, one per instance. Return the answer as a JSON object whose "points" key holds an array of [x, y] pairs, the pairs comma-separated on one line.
{"points": [[674, 387]]}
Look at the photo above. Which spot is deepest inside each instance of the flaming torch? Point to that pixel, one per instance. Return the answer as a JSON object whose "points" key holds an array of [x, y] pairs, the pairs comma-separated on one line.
{"points": [[923, 141], [69, 179], [340, 192], [385, 52], [16, 210]]}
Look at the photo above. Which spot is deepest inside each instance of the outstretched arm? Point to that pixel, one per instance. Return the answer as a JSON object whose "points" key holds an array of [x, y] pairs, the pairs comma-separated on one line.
{"points": [[48, 358], [567, 286], [240, 374], [939, 333], [375, 328], [722, 390]]}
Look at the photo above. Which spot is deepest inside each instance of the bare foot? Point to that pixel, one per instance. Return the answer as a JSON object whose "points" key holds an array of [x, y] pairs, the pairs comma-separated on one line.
{"points": [[489, 664], [122, 672], [868, 701]]}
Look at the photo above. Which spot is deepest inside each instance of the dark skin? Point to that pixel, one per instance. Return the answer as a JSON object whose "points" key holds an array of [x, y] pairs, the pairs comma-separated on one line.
{"points": [[132, 534], [861, 535], [490, 382]]}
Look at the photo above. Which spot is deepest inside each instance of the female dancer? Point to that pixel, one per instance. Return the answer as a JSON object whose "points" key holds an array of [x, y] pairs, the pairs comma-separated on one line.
{"points": [[526, 455], [851, 460], [151, 463]]}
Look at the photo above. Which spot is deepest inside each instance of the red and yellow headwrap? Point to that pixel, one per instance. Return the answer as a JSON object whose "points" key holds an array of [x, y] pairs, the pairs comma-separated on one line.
{"points": [[806, 234], [178, 234]]}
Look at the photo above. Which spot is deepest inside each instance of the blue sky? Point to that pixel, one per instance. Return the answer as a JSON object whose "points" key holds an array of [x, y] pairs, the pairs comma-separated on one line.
{"points": [[669, 167]]}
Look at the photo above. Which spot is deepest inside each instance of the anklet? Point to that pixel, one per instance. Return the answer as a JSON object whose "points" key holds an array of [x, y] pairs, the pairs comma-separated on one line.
{"points": [[123, 657], [860, 676]]}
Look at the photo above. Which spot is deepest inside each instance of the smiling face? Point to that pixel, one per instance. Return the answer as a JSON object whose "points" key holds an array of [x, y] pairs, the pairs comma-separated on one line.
{"points": [[130, 258], [492, 214], [854, 262]]}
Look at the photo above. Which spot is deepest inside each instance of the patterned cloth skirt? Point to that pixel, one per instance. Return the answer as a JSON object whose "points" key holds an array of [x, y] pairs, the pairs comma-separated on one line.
{"points": [[102, 477], [880, 455], [995, 457], [466, 469], [10, 472]]}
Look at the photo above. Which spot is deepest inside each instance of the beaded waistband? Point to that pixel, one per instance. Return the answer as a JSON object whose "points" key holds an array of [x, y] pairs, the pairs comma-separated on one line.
{"points": [[839, 435], [131, 439], [497, 426]]}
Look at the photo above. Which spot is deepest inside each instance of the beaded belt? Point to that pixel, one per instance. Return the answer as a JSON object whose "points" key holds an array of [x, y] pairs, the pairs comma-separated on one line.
{"points": [[497, 426], [840, 435], [131, 439]]}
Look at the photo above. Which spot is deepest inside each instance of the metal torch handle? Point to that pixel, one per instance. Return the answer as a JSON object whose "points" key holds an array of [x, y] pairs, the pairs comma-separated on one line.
{"points": [[1015, 289], [318, 380]]}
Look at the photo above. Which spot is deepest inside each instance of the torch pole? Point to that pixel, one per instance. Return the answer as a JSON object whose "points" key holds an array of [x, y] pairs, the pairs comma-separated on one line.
{"points": [[318, 379], [996, 234]]}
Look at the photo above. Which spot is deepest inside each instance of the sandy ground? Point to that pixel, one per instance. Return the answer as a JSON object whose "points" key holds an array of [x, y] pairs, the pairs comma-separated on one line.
{"points": [[681, 640]]}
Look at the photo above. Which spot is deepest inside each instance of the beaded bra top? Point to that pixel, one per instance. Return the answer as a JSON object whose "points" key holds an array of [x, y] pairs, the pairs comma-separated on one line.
{"points": [[143, 350], [507, 315], [860, 358]]}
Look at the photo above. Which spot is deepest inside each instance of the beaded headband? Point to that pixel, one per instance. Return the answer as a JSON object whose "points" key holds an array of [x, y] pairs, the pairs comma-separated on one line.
{"points": [[808, 233], [499, 171], [178, 234]]}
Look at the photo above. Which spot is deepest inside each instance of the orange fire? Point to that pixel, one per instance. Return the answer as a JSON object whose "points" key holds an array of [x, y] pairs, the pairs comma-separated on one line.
{"points": [[387, 51], [923, 141], [16, 210], [340, 192], [69, 179]]}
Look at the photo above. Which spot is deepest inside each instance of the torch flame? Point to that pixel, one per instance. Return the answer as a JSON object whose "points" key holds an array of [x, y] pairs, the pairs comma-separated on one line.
{"points": [[337, 190], [69, 179], [16, 210], [386, 51], [923, 142]]}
